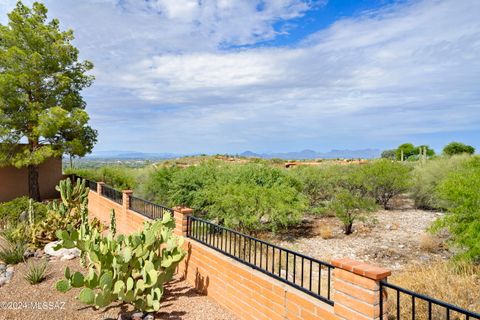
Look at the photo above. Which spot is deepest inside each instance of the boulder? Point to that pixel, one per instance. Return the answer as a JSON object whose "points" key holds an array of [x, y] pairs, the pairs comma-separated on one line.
{"points": [[61, 252]]}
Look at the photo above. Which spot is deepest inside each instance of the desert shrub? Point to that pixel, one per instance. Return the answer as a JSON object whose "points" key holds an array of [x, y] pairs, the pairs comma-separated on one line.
{"points": [[430, 243], [36, 271], [460, 191], [249, 197], [426, 176], [157, 184], [455, 283], [349, 207], [326, 232], [11, 211], [188, 185], [383, 179], [454, 148], [119, 177], [252, 208], [252, 197], [389, 154], [12, 252], [320, 184]]}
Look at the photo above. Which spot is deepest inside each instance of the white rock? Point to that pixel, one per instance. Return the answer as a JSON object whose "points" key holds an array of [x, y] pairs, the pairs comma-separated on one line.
{"points": [[61, 252], [9, 270], [67, 257], [3, 280]]}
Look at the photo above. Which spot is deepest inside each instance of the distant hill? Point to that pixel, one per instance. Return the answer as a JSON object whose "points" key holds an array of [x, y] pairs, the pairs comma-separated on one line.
{"points": [[118, 154], [295, 155], [311, 154]]}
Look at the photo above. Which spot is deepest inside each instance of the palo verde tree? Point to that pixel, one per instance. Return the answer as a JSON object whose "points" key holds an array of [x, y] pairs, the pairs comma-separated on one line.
{"points": [[41, 110]]}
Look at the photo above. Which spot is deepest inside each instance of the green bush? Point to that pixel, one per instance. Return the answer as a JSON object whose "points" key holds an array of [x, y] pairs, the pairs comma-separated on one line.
{"points": [[460, 191], [454, 148], [189, 184], [349, 207], [11, 211], [157, 184], [384, 179], [321, 183], [426, 176], [389, 154], [119, 177], [250, 197]]}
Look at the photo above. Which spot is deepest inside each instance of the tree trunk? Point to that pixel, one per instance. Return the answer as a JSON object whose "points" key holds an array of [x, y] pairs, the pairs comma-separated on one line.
{"points": [[33, 186]]}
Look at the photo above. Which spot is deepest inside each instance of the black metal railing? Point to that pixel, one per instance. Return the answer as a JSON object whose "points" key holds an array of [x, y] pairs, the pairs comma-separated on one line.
{"points": [[112, 194], [307, 274], [406, 304], [92, 185], [148, 209]]}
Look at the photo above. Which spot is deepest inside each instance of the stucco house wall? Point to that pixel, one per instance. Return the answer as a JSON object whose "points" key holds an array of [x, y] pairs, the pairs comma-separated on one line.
{"points": [[14, 181]]}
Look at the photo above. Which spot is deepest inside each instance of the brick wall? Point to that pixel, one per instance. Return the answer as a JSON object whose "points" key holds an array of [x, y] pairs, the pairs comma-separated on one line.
{"points": [[251, 294]]}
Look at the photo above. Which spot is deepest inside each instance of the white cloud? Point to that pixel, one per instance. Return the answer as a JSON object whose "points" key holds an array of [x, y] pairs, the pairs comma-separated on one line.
{"points": [[379, 77]]}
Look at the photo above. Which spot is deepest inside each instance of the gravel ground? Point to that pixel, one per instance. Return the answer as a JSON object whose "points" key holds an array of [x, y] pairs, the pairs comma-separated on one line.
{"points": [[180, 300], [390, 239]]}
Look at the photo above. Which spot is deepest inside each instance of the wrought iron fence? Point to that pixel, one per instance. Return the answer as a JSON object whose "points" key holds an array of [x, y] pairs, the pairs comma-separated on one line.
{"points": [[147, 208], [112, 194], [406, 304], [307, 274], [92, 185]]}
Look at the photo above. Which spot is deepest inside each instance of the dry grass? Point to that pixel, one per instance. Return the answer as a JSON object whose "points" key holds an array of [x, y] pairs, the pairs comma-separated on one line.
{"points": [[326, 232], [458, 284], [430, 243]]}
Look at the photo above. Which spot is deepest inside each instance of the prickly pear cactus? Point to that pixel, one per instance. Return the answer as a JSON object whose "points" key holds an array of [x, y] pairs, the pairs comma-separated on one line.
{"points": [[130, 268]]}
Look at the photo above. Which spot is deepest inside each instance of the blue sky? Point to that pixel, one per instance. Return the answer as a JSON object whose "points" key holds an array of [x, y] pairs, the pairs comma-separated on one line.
{"points": [[282, 75]]}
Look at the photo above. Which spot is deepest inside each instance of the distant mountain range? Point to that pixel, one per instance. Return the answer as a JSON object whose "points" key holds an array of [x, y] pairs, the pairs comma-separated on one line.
{"points": [[311, 154], [120, 154], [304, 154]]}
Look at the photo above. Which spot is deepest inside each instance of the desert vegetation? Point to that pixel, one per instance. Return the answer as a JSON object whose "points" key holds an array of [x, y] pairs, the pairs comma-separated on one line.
{"points": [[340, 205]]}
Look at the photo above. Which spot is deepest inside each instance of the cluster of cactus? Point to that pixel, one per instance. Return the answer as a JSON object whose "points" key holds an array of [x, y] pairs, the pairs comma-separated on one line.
{"points": [[61, 214], [72, 195], [131, 268]]}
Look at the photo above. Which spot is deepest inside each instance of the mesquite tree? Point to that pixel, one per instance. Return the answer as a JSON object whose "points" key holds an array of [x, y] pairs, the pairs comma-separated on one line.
{"points": [[41, 110]]}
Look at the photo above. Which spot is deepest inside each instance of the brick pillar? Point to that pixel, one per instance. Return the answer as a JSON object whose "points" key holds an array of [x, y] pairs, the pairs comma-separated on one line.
{"points": [[356, 289], [126, 199], [180, 214], [99, 187]]}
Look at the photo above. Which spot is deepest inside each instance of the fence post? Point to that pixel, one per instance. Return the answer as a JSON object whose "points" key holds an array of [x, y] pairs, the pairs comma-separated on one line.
{"points": [[99, 187], [356, 289], [126, 199], [181, 215]]}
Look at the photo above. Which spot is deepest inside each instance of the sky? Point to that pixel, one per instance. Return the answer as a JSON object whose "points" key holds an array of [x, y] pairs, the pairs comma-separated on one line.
{"points": [[225, 76]]}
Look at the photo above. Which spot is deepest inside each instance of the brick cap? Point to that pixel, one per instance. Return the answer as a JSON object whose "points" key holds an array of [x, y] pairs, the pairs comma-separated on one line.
{"points": [[127, 191], [101, 182], [361, 268], [183, 210]]}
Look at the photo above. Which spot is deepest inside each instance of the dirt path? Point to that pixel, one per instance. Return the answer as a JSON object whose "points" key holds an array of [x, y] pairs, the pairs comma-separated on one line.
{"points": [[390, 239], [180, 300]]}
